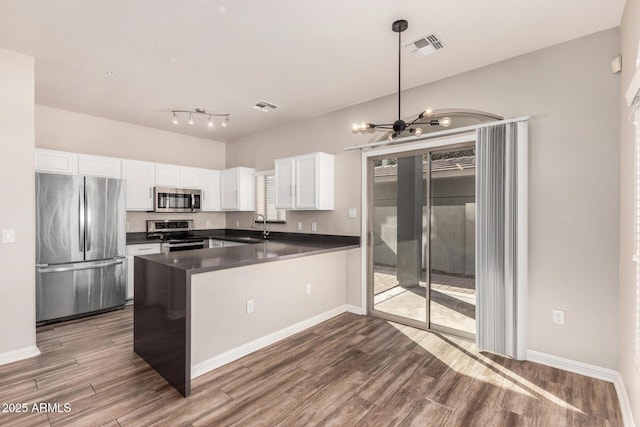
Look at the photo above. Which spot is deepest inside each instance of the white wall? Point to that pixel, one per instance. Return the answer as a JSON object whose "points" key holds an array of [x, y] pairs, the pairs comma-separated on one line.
{"points": [[69, 131], [17, 185], [278, 290], [573, 100], [629, 40]]}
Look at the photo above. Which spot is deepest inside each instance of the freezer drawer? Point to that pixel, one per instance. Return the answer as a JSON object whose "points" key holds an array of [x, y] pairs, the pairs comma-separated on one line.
{"points": [[73, 289]]}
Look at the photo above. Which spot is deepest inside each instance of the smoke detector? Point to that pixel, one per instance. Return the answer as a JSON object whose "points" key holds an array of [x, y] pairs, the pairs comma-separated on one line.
{"points": [[265, 106], [425, 45]]}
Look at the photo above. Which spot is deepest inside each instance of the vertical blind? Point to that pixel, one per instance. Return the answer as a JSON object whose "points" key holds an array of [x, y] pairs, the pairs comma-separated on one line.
{"points": [[266, 198], [501, 193]]}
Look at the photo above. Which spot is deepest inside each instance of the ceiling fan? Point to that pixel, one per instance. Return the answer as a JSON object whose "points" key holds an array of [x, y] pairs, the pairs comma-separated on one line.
{"points": [[400, 126]]}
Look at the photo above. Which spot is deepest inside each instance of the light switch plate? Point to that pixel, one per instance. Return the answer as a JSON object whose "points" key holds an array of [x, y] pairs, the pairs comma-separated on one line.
{"points": [[353, 213], [314, 226], [299, 225], [8, 236]]}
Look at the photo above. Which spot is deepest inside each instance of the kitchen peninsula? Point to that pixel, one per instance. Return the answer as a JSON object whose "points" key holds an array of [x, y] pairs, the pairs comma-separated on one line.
{"points": [[199, 309]]}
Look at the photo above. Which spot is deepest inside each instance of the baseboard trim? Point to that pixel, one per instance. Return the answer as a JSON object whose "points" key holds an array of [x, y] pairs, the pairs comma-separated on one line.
{"points": [[572, 366], [592, 371], [625, 403], [20, 354], [241, 351], [355, 309]]}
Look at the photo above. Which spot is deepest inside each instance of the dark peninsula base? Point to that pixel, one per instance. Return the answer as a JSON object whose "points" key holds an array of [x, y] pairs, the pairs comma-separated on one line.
{"points": [[161, 322]]}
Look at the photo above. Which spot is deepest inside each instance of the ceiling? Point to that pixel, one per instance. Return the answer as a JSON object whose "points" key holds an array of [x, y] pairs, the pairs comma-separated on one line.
{"points": [[308, 57]]}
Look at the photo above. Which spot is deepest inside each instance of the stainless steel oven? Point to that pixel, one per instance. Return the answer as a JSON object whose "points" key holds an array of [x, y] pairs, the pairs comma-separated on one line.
{"points": [[174, 245], [166, 199], [176, 235]]}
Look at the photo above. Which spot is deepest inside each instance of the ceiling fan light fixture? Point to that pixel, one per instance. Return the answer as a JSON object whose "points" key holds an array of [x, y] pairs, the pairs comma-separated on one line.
{"points": [[445, 121]]}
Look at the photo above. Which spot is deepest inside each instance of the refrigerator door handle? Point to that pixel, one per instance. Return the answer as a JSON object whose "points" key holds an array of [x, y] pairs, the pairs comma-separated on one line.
{"points": [[81, 209], [79, 267], [88, 225]]}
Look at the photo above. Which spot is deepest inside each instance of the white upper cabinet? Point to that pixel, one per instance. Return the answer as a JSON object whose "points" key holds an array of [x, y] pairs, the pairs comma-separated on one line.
{"points": [[190, 177], [285, 181], [108, 167], [63, 162], [238, 189], [210, 190], [305, 182], [142, 176], [167, 175], [51, 161], [178, 176], [140, 181]]}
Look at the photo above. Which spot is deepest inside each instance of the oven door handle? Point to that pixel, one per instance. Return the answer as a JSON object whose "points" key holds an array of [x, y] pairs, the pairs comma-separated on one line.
{"points": [[182, 245]]}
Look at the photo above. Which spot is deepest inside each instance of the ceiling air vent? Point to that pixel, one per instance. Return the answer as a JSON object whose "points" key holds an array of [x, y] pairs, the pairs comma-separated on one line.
{"points": [[425, 45], [265, 106]]}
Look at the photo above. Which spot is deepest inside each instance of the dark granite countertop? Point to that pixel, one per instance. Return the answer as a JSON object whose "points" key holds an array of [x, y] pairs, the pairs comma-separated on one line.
{"points": [[250, 236], [203, 260]]}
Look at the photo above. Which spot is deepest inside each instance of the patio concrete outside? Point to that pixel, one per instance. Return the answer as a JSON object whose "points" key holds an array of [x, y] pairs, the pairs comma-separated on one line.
{"points": [[453, 299]]}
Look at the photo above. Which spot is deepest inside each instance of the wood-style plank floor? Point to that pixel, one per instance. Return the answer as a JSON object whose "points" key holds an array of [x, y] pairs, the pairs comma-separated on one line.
{"points": [[349, 371]]}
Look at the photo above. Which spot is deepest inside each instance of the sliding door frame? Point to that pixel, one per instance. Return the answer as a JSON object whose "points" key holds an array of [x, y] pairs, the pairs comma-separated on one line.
{"points": [[368, 157]]}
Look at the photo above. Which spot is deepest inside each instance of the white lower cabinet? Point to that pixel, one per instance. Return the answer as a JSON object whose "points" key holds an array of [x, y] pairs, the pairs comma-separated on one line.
{"points": [[135, 250]]}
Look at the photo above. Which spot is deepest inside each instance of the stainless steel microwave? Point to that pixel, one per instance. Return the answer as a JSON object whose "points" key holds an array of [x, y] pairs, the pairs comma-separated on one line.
{"points": [[167, 199]]}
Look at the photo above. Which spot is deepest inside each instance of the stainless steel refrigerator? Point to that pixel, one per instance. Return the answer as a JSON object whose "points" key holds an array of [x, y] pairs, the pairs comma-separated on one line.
{"points": [[80, 245]]}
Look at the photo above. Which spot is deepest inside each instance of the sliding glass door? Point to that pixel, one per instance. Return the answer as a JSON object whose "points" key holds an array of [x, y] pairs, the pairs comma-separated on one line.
{"points": [[422, 231]]}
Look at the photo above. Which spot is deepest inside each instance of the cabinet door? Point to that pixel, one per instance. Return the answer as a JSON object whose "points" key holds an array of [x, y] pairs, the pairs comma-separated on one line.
{"points": [[229, 189], [246, 189], [51, 161], [107, 167], [190, 177], [210, 190], [140, 178], [306, 182], [284, 173], [167, 175], [132, 251]]}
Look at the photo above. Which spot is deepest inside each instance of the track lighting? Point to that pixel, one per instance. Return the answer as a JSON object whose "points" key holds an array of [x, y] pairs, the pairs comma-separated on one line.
{"points": [[400, 127], [197, 112]]}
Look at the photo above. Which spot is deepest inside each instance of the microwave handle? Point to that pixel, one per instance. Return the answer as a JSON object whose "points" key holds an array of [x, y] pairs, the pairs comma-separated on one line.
{"points": [[193, 202]]}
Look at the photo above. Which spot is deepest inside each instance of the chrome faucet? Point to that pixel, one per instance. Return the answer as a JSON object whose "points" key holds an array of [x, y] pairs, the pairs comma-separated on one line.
{"points": [[265, 232]]}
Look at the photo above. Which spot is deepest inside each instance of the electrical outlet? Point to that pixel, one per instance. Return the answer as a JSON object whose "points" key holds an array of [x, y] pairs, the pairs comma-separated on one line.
{"points": [[299, 225], [352, 213], [308, 288], [314, 226], [128, 227], [208, 224], [249, 306], [558, 317], [237, 224]]}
